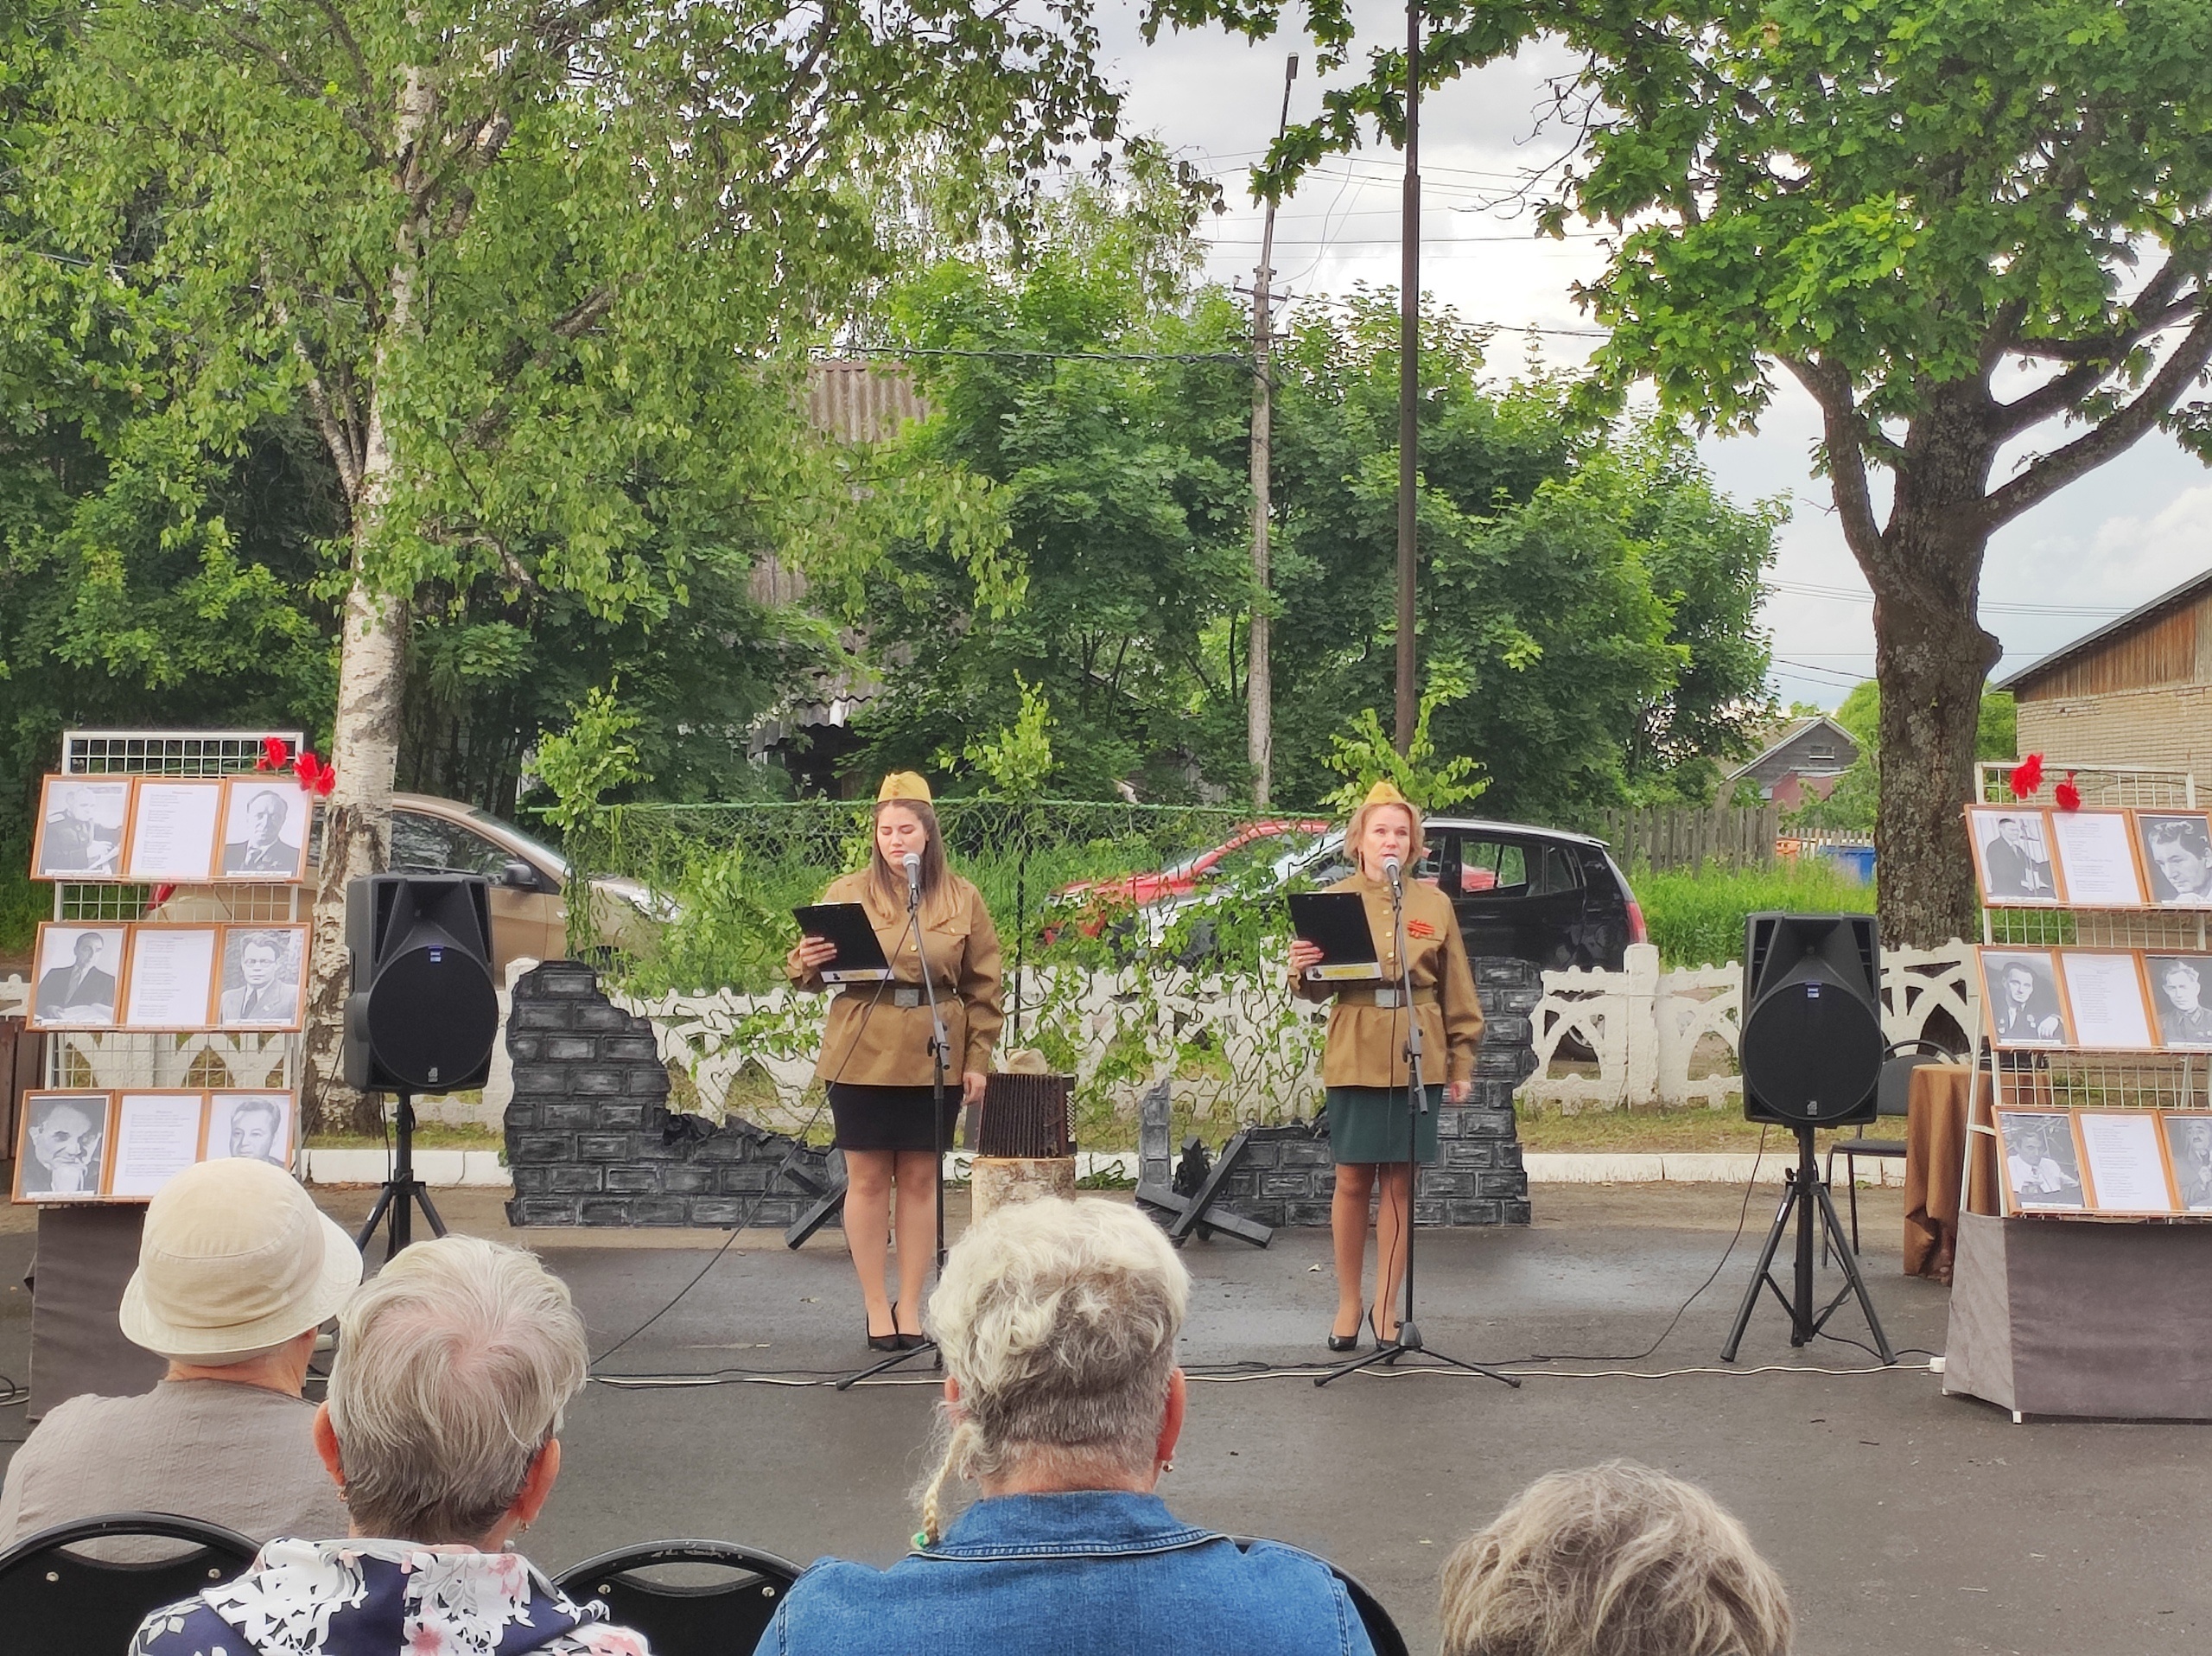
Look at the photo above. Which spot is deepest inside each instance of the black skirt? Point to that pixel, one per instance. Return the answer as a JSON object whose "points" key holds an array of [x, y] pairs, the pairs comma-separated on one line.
{"points": [[890, 1117]]}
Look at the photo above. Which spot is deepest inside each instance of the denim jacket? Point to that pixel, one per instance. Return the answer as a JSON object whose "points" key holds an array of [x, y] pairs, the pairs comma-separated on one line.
{"points": [[1090, 1573]]}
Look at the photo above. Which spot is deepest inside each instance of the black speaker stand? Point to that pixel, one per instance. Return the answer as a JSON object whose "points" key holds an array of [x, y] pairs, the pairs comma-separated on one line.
{"points": [[1802, 1189], [402, 1191]]}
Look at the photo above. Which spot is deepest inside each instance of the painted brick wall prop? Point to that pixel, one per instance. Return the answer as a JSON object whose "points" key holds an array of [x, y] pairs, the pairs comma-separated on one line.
{"points": [[589, 1135], [1287, 1178]]}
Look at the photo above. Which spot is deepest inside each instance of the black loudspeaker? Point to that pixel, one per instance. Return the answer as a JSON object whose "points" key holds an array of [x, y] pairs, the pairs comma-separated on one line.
{"points": [[1812, 1042], [422, 1014]]}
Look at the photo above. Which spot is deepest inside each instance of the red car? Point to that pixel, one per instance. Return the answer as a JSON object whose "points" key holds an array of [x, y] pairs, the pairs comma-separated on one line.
{"points": [[1099, 898]]}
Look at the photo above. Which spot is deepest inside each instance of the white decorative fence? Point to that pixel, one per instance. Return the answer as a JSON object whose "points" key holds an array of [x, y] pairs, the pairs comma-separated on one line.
{"points": [[1645, 1026]]}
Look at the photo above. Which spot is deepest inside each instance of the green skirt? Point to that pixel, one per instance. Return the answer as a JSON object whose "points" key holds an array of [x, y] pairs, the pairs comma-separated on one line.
{"points": [[1368, 1123]]}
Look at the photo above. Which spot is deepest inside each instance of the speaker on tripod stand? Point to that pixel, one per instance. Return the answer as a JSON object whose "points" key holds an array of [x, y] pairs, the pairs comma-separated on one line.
{"points": [[1811, 1053], [422, 1014]]}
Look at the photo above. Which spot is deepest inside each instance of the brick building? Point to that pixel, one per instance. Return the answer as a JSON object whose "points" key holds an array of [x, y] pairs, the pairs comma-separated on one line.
{"points": [[2136, 691]]}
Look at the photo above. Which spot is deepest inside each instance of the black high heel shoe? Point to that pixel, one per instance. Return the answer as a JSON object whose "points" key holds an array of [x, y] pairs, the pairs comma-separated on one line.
{"points": [[906, 1342], [892, 1341], [1377, 1331], [1344, 1342]]}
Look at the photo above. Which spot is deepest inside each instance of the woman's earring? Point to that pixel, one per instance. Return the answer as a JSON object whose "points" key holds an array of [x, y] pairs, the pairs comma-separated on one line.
{"points": [[1168, 1465]]}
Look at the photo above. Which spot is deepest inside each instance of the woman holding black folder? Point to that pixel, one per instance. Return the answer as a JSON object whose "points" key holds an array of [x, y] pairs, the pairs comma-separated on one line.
{"points": [[875, 1049], [1364, 1066]]}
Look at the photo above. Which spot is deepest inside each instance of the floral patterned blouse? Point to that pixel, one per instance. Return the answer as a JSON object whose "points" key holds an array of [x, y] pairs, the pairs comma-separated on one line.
{"points": [[384, 1598]]}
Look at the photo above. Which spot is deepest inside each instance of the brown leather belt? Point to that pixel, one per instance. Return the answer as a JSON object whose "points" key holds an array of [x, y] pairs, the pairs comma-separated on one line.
{"points": [[1388, 994], [908, 995]]}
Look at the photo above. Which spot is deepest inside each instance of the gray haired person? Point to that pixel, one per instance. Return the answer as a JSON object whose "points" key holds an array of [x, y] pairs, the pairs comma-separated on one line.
{"points": [[453, 1364], [1058, 1322], [1612, 1560]]}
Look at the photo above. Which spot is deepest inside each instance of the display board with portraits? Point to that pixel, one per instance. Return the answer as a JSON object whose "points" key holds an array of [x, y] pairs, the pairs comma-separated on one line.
{"points": [[2117, 1163], [2097, 1000], [172, 830], [123, 1145], [2028, 857], [149, 975]]}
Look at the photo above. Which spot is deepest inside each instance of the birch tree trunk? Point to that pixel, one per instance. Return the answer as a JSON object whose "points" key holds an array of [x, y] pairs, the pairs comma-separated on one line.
{"points": [[371, 674]]}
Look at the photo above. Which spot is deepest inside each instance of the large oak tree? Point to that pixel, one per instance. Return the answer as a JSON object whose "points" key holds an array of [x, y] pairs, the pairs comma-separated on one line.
{"points": [[1976, 232]]}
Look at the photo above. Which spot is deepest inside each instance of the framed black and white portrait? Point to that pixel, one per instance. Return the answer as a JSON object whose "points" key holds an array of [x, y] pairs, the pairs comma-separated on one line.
{"points": [[254, 1126], [61, 1155], [2177, 855], [79, 969], [2181, 1000], [2011, 852], [81, 820], [2189, 1147], [263, 978], [2042, 1167], [2022, 1000], [264, 829]]}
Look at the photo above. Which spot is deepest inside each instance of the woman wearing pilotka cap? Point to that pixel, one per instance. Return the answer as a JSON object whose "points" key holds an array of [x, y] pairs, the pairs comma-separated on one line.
{"points": [[875, 1049], [1364, 1066]]}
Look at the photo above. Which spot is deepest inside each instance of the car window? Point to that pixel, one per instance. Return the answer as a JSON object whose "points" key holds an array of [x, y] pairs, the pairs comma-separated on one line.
{"points": [[420, 842], [1497, 867], [1553, 870]]}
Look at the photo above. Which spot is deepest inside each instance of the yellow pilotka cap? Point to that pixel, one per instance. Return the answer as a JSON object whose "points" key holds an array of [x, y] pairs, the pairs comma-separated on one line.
{"points": [[1383, 793], [903, 785]]}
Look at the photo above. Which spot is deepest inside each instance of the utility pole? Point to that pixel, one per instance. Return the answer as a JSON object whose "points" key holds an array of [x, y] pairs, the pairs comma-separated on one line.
{"points": [[1408, 381], [1259, 680]]}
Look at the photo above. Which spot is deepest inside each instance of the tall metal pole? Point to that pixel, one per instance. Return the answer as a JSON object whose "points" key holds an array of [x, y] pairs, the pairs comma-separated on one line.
{"points": [[1259, 680], [1409, 382]]}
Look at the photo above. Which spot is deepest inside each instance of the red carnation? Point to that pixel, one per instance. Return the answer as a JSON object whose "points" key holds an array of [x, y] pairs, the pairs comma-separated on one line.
{"points": [[314, 776], [273, 754], [2067, 795], [2027, 776]]}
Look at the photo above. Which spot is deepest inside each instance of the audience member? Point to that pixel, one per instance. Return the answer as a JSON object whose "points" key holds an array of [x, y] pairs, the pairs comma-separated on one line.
{"points": [[1615, 1560], [237, 1270], [1058, 1322], [453, 1364]]}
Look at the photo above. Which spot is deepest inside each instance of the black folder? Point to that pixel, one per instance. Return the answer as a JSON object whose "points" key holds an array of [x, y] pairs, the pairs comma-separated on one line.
{"points": [[860, 953], [1336, 923]]}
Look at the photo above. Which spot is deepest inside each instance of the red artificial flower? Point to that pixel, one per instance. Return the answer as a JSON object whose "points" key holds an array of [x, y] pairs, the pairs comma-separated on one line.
{"points": [[273, 754], [314, 776], [2027, 776], [2067, 795], [162, 895]]}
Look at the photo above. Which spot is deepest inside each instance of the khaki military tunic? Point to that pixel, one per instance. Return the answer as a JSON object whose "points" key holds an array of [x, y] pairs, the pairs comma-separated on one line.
{"points": [[871, 1040], [1367, 1042]]}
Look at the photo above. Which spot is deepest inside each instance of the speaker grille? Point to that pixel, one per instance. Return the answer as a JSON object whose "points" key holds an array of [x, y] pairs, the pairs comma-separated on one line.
{"points": [[432, 1017]]}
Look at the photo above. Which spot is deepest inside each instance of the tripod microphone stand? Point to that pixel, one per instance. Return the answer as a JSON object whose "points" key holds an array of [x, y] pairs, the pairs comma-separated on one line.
{"points": [[938, 1044], [1409, 1336], [1804, 1188], [402, 1192]]}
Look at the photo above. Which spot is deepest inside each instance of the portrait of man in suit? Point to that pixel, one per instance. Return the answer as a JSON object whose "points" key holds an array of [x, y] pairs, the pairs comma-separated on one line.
{"points": [[255, 840], [2016, 863], [2180, 852], [261, 980], [2188, 1139], [254, 1132], [2184, 1019], [2024, 1002], [80, 986], [83, 829], [65, 1137]]}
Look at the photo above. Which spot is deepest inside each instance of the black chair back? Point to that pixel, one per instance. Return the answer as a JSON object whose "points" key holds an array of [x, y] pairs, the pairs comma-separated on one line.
{"points": [[1894, 1090], [54, 1599], [714, 1617], [1381, 1632]]}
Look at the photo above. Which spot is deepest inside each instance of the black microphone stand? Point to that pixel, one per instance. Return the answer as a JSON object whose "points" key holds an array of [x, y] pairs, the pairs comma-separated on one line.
{"points": [[938, 1044], [1409, 1338]]}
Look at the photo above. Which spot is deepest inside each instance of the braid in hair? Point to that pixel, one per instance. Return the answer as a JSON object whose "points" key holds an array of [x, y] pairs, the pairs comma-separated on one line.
{"points": [[957, 1446]]}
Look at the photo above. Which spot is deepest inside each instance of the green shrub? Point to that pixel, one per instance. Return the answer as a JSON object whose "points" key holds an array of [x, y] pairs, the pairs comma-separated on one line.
{"points": [[1697, 919]]}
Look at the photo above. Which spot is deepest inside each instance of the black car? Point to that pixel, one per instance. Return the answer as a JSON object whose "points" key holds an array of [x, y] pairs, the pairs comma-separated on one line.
{"points": [[1541, 895]]}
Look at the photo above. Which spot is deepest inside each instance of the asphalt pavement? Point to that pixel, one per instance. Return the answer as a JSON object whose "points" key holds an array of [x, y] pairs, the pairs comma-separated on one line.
{"points": [[1902, 1520]]}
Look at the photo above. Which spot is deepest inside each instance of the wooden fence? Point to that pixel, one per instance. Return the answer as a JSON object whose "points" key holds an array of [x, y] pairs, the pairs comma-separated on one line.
{"points": [[1686, 837]]}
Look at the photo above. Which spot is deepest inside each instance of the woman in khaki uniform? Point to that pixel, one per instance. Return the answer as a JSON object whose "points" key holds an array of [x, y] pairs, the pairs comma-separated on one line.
{"points": [[875, 1049], [1364, 1066]]}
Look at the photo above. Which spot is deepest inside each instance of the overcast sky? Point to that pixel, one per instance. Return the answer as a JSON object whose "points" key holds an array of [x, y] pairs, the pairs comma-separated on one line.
{"points": [[2120, 536]]}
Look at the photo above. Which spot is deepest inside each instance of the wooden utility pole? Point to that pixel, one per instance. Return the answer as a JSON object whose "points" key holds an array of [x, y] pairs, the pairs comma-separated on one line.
{"points": [[1259, 681], [1409, 382]]}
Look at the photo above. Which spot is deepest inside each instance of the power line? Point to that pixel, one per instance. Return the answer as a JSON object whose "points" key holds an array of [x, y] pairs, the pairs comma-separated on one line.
{"points": [[1844, 594]]}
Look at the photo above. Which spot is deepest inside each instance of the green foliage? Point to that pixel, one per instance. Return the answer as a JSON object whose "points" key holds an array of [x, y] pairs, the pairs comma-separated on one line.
{"points": [[1854, 803], [1015, 763], [595, 754], [1368, 756], [1696, 917]]}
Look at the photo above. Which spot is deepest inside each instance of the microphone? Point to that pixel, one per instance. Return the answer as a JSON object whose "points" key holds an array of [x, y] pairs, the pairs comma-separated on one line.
{"points": [[1394, 875], [913, 861]]}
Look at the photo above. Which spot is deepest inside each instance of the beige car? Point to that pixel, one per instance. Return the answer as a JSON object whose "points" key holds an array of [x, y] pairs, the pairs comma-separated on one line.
{"points": [[529, 881]]}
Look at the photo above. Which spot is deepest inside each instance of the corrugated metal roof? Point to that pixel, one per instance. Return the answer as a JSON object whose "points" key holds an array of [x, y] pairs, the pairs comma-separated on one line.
{"points": [[861, 401], [2187, 590]]}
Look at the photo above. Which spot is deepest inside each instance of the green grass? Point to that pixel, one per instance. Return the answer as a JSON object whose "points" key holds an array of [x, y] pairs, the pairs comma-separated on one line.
{"points": [[1697, 919], [429, 1136]]}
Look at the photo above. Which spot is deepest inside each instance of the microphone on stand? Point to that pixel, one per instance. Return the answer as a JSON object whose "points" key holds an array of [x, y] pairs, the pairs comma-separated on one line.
{"points": [[1394, 875], [912, 861]]}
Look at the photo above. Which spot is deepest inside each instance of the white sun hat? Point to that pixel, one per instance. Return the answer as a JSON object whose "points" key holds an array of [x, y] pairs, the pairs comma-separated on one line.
{"points": [[235, 1258]]}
